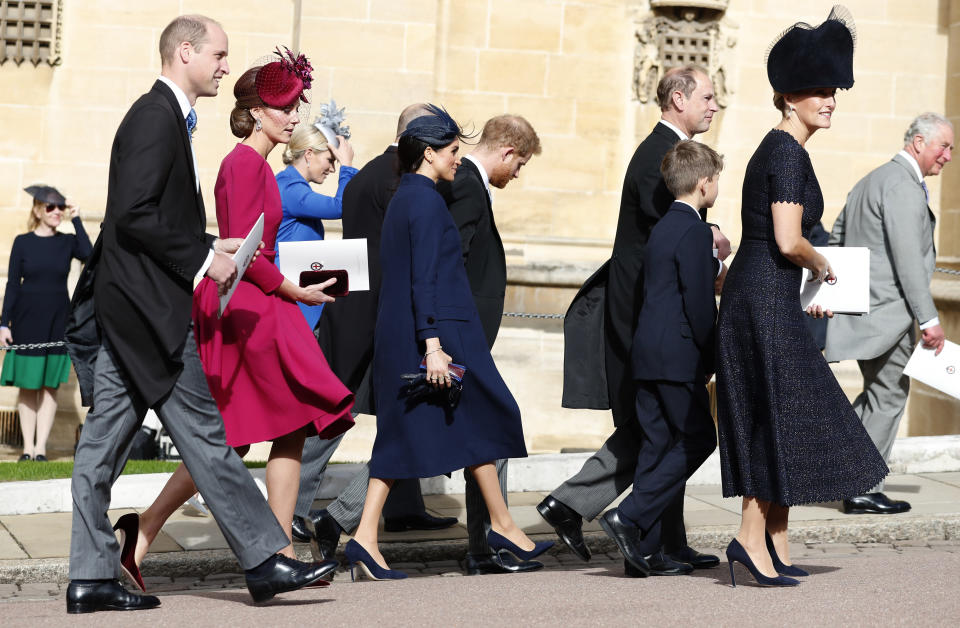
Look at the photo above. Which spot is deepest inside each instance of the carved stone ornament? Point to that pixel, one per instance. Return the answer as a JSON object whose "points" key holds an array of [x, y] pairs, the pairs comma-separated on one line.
{"points": [[677, 32]]}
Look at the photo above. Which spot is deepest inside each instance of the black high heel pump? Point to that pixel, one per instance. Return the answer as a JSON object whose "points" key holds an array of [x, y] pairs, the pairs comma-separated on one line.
{"points": [[736, 554], [782, 569]]}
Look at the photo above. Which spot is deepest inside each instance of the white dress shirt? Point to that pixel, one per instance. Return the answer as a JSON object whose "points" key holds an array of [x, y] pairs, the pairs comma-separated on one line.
{"points": [[483, 175], [683, 136]]}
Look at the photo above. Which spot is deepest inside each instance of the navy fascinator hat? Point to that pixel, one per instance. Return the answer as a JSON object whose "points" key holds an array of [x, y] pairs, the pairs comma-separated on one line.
{"points": [[809, 57], [436, 129]]}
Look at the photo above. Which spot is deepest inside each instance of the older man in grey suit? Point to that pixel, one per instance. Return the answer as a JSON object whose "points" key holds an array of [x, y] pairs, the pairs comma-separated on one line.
{"points": [[888, 212]]}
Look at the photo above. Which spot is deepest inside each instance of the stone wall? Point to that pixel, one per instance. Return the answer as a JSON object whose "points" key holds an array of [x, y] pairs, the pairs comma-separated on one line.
{"points": [[567, 65]]}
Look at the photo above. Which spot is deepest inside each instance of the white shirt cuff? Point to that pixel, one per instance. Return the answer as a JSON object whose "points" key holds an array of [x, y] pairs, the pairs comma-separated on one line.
{"points": [[206, 265], [933, 322]]}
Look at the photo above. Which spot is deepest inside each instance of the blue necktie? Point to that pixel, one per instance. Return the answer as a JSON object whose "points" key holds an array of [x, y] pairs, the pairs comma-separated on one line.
{"points": [[926, 192], [191, 122]]}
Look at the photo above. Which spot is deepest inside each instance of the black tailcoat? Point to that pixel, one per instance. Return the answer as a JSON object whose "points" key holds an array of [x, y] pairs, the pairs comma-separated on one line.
{"points": [[618, 285], [483, 254], [345, 331], [152, 244]]}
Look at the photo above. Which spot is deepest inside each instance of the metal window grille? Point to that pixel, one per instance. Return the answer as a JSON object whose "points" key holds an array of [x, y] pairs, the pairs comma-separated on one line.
{"points": [[30, 31], [682, 48], [10, 433]]}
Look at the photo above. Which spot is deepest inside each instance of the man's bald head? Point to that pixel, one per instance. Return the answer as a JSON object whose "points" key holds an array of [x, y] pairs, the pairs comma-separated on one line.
{"points": [[409, 113]]}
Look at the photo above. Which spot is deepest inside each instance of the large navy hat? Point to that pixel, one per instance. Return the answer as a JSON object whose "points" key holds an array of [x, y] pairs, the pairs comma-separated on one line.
{"points": [[807, 57], [46, 194]]}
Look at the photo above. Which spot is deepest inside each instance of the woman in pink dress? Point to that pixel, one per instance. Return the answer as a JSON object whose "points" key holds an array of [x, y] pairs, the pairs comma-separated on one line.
{"points": [[263, 365]]}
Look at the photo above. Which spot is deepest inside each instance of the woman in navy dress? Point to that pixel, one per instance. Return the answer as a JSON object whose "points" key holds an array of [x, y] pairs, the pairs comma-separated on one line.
{"points": [[35, 308], [788, 435], [427, 312], [310, 157]]}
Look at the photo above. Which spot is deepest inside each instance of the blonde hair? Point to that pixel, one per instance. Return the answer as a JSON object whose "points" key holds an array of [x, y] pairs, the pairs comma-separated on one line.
{"points": [[303, 138], [34, 221]]}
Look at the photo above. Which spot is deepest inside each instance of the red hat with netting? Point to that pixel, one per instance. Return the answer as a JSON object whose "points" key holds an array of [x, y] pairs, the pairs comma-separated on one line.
{"points": [[281, 83]]}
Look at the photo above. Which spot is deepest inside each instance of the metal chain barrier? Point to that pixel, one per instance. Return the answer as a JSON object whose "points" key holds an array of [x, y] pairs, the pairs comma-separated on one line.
{"points": [[948, 271], [35, 345], [526, 315]]}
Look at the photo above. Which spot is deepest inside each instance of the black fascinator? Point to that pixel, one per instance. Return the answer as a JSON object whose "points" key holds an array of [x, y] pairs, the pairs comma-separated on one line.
{"points": [[46, 194], [436, 129], [810, 57]]}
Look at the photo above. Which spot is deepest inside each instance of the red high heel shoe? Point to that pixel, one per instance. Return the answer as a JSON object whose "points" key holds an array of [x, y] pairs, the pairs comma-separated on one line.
{"points": [[129, 526]]}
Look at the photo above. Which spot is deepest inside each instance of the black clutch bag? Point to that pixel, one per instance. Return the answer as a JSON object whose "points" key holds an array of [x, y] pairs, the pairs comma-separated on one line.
{"points": [[417, 389]]}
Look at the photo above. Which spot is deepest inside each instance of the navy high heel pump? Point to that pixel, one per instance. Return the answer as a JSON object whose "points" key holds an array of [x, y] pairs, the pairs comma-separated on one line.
{"points": [[736, 554], [358, 556], [499, 542], [782, 569]]}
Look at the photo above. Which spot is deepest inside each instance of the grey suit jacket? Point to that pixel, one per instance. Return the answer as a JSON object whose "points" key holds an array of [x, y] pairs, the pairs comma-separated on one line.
{"points": [[886, 211]]}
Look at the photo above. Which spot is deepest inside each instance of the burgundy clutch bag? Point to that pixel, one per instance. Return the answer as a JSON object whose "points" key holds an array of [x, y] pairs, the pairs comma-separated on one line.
{"points": [[339, 289]]}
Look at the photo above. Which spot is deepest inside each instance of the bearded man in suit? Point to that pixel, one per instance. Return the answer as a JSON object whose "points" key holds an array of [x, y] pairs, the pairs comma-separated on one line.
{"points": [[506, 144], [888, 212], [151, 249], [605, 314]]}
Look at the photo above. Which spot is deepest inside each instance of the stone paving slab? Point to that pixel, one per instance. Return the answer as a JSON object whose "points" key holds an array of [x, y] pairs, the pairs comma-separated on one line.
{"points": [[9, 548]]}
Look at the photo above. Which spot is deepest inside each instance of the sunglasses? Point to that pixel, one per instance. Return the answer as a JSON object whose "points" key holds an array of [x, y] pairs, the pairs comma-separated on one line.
{"points": [[52, 206]]}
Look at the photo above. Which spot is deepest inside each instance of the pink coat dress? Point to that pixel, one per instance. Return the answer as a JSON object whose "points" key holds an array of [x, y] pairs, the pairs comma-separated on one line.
{"points": [[264, 367]]}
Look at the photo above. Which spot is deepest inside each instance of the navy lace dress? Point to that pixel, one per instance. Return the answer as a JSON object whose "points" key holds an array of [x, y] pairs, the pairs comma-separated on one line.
{"points": [[787, 432]]}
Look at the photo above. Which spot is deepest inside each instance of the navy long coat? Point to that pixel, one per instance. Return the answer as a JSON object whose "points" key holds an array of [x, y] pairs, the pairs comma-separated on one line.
{"points": [[425, 293]]}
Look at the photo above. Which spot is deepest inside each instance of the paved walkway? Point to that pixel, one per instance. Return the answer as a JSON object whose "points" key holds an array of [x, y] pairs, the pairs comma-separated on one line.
{"points": [[191, 549]]}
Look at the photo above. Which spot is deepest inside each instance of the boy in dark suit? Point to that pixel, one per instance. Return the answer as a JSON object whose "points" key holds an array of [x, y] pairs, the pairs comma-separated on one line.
{"points": [[672, 359]]}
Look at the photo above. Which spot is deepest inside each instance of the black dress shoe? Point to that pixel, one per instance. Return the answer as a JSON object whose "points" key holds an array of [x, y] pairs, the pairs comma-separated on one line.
{"points": [[279, 574], [627, 538], [874, 504], [567, 523], [89, 596], [697, 560], [299, 530], [499, 563], [660, 565], [423, 521], [324, 534]]}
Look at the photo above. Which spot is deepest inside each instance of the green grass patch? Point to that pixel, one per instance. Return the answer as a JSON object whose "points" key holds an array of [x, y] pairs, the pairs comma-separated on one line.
{"points": [[30, 470]]}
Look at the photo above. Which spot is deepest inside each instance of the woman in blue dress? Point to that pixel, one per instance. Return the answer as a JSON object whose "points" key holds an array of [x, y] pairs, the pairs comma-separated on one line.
{"points": [[35, 309], [427, 313], [310, 157]]}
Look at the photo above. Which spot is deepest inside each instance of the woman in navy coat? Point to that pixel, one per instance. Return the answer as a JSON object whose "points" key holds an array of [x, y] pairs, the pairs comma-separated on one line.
{"points": [[427, 312]]}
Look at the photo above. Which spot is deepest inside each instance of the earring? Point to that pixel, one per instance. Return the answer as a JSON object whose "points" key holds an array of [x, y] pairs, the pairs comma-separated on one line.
{"points": [[791, 111], [258, 126]]}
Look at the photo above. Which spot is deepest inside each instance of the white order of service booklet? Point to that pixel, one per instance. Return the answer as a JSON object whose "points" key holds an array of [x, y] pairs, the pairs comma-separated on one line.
{"points": [[349, 255], [937, 371], [849, 293], [242, 259]]}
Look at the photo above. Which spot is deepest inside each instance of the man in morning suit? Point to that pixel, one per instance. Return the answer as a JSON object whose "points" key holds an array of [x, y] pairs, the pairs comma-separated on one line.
{"points": [[604, 314], [672, 359], [345, 334], [888, 212], [151, 248], [506, 144]]}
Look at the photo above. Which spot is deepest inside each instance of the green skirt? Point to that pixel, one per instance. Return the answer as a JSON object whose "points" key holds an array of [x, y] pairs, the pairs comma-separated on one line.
{"points": [[34, 372]]}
